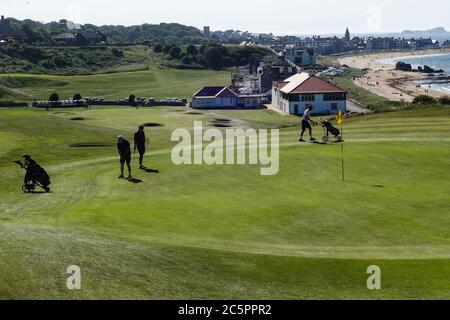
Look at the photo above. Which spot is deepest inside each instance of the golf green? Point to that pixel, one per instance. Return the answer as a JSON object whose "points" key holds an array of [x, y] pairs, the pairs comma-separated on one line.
{"points": [[226, 232]]}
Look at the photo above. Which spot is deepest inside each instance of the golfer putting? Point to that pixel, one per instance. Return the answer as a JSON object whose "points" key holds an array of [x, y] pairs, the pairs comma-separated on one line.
{"points": [[123, 146], [306, 124], [139, 145]]}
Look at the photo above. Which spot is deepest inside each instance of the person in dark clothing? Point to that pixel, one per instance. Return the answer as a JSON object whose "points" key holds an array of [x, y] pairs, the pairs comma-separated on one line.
{"points": [[29, 165], [139, 145], [306, 123], [123, 146]]}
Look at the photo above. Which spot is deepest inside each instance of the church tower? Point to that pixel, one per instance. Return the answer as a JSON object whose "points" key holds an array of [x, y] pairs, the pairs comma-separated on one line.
{"points": [[347, 35]]}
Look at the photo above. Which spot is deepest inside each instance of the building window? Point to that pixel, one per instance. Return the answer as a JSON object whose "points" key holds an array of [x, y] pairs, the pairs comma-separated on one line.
{"points": [[334, 107], [334, 97], [308, 97]]}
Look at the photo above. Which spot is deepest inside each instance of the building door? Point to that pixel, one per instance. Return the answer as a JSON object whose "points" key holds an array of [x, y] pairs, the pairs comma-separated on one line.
{"points": [[334, 108], [296, 109]]}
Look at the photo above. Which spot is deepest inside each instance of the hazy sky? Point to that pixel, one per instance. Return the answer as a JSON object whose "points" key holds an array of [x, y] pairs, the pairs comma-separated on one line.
{"points": [[276, 16]]}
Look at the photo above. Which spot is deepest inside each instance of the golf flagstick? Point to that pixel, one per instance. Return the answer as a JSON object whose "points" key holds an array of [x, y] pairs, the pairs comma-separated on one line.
{"points": [[342, 152], [340, 121]]}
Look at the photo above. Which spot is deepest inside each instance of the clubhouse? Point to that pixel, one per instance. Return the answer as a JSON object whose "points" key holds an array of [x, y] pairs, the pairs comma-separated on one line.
{"points": [[293, 95], [224, 98]]}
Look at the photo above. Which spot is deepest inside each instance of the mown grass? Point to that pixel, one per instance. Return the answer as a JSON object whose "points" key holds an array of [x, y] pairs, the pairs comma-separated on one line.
{"points": [[155, 82], [225, 231]]}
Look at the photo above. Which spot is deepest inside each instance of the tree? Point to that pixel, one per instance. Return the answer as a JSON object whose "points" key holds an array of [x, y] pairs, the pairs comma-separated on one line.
{"points": [[192, 50], [166, 49], [175, 52], [28, 30], [54, 97], [77, 97], [132, 100], [213, 57]]}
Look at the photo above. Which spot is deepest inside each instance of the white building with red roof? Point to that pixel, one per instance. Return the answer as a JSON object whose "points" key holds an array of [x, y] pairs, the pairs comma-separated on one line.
{"points": [[294, 94]]}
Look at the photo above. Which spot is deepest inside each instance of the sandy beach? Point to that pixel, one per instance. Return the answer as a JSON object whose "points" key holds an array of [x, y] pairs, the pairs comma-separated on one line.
{"points": [[384, 80]]}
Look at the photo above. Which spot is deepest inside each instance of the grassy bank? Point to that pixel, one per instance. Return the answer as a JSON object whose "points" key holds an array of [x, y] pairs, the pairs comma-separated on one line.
{"points": [[370, 100]]}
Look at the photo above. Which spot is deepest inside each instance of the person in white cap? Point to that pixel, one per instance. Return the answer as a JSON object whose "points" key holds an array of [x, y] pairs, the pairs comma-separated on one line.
{"points": [[123, 146]]}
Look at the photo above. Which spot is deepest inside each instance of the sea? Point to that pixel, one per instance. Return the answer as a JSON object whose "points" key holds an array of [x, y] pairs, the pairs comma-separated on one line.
{"points": [[435, 61]]}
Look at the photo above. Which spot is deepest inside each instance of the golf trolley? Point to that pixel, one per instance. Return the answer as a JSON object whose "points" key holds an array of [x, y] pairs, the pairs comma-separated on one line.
{"points": [[35, 176], [328, 129]]}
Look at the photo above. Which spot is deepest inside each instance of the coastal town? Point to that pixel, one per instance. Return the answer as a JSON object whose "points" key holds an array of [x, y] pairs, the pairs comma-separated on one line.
{"points": [[254, 85]]}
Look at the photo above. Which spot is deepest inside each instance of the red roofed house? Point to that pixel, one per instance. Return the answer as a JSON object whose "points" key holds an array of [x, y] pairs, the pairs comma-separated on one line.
{"points": [[295, 93], [223, 97]]}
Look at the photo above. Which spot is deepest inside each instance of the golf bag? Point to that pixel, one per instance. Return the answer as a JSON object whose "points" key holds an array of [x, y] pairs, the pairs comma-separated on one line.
{"points": [[330, 129], [35, 175]]}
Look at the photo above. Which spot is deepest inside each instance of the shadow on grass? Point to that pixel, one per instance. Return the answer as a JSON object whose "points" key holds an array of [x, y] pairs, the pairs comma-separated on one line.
{"points": [[38, 192], [152, 125], [134, 180], [150, 170]]}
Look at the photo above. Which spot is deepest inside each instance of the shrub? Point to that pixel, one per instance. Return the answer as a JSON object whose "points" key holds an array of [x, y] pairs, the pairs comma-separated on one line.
{"points": [[117, 53], [175, 52], [192, 50], [157, 48], [444, 100], [166, 49], [77, 96], [424, 99]]}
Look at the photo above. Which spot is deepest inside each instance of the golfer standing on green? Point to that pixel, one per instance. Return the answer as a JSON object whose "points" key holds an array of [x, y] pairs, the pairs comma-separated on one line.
{"points": [[139, 145], [123, 146], [306, 123]]}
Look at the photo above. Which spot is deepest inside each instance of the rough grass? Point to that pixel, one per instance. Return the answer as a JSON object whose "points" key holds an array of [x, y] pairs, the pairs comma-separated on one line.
{"points": [[73, 60], [8, 94], [226, 232]]}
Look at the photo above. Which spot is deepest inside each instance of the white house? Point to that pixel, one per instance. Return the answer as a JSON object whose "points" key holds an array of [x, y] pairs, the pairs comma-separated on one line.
{"points": [[293, 95], [224, 98], [300, 56]]}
